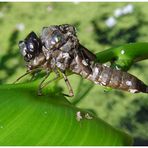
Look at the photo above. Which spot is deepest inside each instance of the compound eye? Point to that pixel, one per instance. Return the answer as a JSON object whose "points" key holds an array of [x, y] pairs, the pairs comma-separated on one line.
{"points": [[32, 43], [30, 46], [23, 48]]}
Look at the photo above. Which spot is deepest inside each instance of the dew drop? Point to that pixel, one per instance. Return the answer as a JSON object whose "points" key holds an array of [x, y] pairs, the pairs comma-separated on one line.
{"points": [[122, 52], [87, 116], [78, 116]]}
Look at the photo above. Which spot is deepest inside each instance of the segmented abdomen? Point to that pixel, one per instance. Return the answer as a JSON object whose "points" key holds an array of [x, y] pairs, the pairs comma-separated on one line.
{"points": [[114, 78]]}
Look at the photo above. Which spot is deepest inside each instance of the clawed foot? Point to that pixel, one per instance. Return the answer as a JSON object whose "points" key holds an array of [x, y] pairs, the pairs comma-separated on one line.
{"points": [[70, 95]]}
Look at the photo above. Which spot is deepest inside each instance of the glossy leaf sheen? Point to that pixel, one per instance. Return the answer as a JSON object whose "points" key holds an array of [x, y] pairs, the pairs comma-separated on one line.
{"points": [[133, 51], [28, 119], [125, 55]]}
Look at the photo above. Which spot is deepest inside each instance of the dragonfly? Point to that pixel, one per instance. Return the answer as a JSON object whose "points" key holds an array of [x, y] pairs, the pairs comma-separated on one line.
{"points": [[58, 50]]}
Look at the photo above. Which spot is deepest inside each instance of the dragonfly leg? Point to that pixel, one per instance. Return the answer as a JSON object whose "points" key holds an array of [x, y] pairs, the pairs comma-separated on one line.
{"points": [[42, 84], [71, 94], [28, 72]]}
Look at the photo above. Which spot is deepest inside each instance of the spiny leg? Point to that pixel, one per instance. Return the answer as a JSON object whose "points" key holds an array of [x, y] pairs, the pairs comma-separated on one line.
{"points": [[28, 72], [42, 84], [71, 94]]}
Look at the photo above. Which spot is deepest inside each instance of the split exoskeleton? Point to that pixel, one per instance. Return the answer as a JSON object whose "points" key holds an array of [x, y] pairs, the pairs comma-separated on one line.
{"points": [[58, 50]]}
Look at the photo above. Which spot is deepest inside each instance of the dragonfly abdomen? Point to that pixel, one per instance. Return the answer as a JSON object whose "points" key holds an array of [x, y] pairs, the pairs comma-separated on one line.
{"points": [[107, 76], [114, 78]]}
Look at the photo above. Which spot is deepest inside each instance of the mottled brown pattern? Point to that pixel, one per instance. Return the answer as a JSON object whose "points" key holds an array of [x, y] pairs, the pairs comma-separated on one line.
{"points": [[58, 50], [107, 76]]}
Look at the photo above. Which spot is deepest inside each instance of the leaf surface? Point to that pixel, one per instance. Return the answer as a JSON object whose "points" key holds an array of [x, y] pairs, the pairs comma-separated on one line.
{"points": [[28, 119]]}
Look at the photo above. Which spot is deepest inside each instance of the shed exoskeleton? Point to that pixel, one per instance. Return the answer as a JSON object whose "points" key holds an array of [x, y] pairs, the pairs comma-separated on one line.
{"points": [[58, 49]]}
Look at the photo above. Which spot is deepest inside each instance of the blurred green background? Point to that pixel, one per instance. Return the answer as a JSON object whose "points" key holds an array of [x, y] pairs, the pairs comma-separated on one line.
{"points": [[99, 26]]}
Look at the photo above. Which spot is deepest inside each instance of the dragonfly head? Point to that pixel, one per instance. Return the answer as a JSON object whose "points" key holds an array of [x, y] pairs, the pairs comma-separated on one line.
{"points": [[30, 47]]}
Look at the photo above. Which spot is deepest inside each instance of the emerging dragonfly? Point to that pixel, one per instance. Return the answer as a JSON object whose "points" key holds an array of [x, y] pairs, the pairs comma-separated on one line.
{"points": [[58, 50]]}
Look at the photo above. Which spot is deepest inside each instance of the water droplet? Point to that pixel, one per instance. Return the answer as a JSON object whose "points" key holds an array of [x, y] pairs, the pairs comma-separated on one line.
{"points": [[87, 116], [122, 51], [78, 116]]}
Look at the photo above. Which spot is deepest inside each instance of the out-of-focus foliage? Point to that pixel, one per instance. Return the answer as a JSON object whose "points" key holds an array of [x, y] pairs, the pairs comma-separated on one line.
{"points": [[124, 24], [121, 109]]}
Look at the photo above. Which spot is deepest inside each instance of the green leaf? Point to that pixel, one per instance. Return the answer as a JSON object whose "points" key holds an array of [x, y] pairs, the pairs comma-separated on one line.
{"points": [[28, 119], [125, 55]]}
